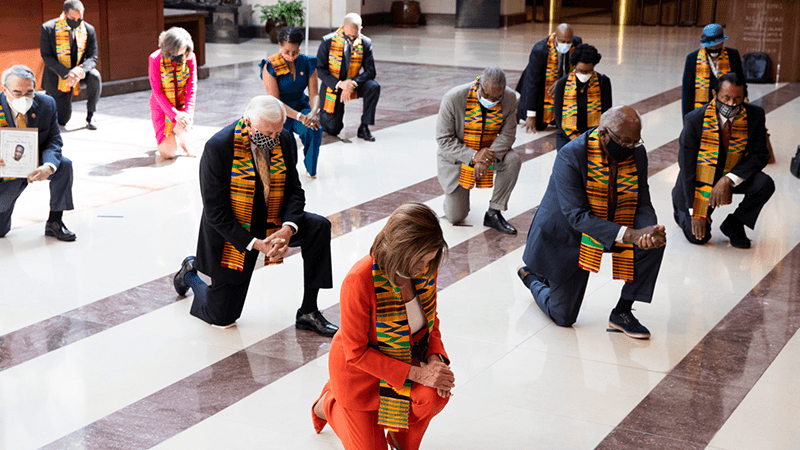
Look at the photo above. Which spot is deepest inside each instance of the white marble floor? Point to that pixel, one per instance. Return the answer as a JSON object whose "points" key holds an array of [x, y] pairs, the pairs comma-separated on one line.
{"points": [[522, 382]]}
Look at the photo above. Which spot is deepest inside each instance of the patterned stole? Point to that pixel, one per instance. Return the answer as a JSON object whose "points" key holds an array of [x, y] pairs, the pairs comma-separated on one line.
{"points": [[569, 111], [702, 77], [598, 194], [63, 48], [551, 76], [335, 57], [394, 340], [3, 124], [173, 82], [709, 154], [479, 132], [279, 64], [243, 189]]}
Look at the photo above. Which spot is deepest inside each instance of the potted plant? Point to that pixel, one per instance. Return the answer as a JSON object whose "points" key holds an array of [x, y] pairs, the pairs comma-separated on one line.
{"points": [[277, 16]]}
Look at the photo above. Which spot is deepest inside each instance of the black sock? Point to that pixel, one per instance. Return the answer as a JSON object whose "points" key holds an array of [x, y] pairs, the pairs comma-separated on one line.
{"points": [[309, 301], [492, 211], [55, 216], [89, 116], [623, 306]]}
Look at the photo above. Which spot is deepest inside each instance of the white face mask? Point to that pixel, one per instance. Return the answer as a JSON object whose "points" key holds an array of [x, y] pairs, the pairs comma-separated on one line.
{"points": [[563, 48], [583, 77], [22, 104]]}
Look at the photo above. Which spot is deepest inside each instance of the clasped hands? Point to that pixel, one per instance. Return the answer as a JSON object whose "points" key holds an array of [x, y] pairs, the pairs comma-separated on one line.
{"points": [[310, 120], [647, 238], [41, 173], [183, 119], [75, 75], [348, 88], [721, 194], [482, 160], [434, 374], [275, 245]]}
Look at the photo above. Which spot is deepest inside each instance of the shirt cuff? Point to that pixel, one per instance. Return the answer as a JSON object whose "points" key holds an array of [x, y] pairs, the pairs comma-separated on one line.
{"points": [[293, 226], [52, 166], [251, 244], [621, 233], [531, 113], [337, 84], [737, 180]]}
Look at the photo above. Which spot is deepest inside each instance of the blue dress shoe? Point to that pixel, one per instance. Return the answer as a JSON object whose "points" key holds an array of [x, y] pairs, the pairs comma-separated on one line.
{"points": [[628, 324]]}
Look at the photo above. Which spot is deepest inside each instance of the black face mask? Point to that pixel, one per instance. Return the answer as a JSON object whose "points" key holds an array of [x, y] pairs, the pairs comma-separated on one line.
{"points": [[714, 53], [74, 23], [728, 111], [618, 152], [177, 58]]}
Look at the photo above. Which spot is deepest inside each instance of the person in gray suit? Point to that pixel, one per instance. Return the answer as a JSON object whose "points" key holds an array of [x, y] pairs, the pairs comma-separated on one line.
{"points": [[492, 107]]}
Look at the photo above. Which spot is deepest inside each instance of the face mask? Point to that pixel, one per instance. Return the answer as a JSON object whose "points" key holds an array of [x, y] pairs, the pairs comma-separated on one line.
{"points": [[22, 104], [583, 77], [486, 103], [728, 111], [618, 152], [563, 48], [177, 59], [714, 53], [263, 141], [74, 23]]}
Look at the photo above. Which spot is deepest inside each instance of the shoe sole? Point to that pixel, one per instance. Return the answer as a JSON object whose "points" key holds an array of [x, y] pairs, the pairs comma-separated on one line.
{"points": [[304, 327], [616, 328], [51, 234], [224, 327]]}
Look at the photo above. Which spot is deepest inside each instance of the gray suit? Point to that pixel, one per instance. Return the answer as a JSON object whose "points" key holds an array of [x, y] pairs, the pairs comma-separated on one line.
{"points": [[452, 153]]}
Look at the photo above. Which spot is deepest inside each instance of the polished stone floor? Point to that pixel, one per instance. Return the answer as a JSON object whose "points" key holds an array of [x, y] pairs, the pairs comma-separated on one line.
{"points": [[97, 351]]}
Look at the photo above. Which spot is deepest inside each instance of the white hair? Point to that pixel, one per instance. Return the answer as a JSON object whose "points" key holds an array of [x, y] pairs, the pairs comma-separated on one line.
{"points": [[353, 19], [266, 107], [18, 71], [493, 76]]}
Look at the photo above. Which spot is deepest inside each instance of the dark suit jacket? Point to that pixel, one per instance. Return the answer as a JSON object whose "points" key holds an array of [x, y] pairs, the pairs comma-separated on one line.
{"points": [[218, 224], [755, 159], [328, 80], [54, 69], [690, 70], [605, 104], [554, 239], [42, 116], [531, 84]]}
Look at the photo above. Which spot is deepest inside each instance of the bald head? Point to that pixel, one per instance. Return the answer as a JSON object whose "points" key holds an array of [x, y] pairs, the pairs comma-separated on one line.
{"points": [[564, 33], [624, 122]]}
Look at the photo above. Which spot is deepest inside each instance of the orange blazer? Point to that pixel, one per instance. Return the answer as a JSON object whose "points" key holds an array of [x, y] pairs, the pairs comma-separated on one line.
{"points": [[355, 364]]}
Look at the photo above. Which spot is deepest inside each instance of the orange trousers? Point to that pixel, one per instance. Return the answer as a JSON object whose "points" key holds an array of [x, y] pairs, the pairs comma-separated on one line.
{"points": [[359, 430]]}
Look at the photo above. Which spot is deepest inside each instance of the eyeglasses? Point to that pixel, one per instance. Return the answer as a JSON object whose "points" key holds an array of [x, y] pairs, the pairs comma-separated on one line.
{"points": [[19, 94], [628, 145], [487, 97]]}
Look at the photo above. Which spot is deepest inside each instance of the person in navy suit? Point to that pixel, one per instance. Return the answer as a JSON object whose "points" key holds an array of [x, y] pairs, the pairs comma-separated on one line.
{"points": [[551, 257], [22, 107]]}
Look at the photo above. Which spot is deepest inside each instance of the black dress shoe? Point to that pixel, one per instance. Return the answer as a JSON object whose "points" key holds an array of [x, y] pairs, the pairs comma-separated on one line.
{"points": [[734, 229], [628, 324], [91, 124], [180, 284], [363, 133], [497, 222], [314, 321], [58, 230]]}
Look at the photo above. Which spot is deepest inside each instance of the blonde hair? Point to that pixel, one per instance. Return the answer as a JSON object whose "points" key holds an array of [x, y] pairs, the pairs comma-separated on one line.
{"points": [[411, 232]]}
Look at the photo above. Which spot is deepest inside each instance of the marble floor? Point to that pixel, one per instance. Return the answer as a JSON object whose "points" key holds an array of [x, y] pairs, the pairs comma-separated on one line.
{"points": [[97, 351]]}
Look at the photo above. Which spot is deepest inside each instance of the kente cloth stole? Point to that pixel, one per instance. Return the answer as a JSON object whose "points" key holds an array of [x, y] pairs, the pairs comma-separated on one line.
{"points": [[3, 124], [479, 132], [63, 49], [394, 340], [335, 58], [569, 111], [278, 64], [243, 188], [173, 82], [702, 75], [550, 77], [598, 194], [709, 154]]}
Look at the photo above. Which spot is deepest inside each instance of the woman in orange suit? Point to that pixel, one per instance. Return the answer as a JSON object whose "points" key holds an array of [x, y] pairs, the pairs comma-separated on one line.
{"points": [[389, 373]]}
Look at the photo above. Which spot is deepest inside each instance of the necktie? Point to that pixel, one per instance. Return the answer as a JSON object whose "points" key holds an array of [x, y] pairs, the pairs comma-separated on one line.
{"points": [[726, 134], [262, 164], [612, 189], [21, 122], [73, 48], [345, 62]]}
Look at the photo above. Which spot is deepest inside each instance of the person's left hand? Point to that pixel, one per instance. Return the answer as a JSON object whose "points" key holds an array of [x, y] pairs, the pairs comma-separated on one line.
{"points": [[347, 96], [79, 72], [40, 173], [182, 118], [278, 243], [2, 163], [657, 238], [551, 91], [721, 193], [435, 357]]}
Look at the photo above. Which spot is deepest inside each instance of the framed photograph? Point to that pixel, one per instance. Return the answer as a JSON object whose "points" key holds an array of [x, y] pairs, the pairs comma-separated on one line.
{"points": [[19, 150]]}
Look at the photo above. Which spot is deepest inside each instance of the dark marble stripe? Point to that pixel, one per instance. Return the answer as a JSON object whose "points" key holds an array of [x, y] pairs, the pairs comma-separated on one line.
{"points": [[690, 405], [175, 408]]}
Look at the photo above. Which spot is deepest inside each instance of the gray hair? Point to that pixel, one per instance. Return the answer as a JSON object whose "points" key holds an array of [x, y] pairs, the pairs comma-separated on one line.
{"points": [[18, 71], [73, 5], [616, 117], [266, 107], [171, 41], [493, 76], [353, 19]]}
